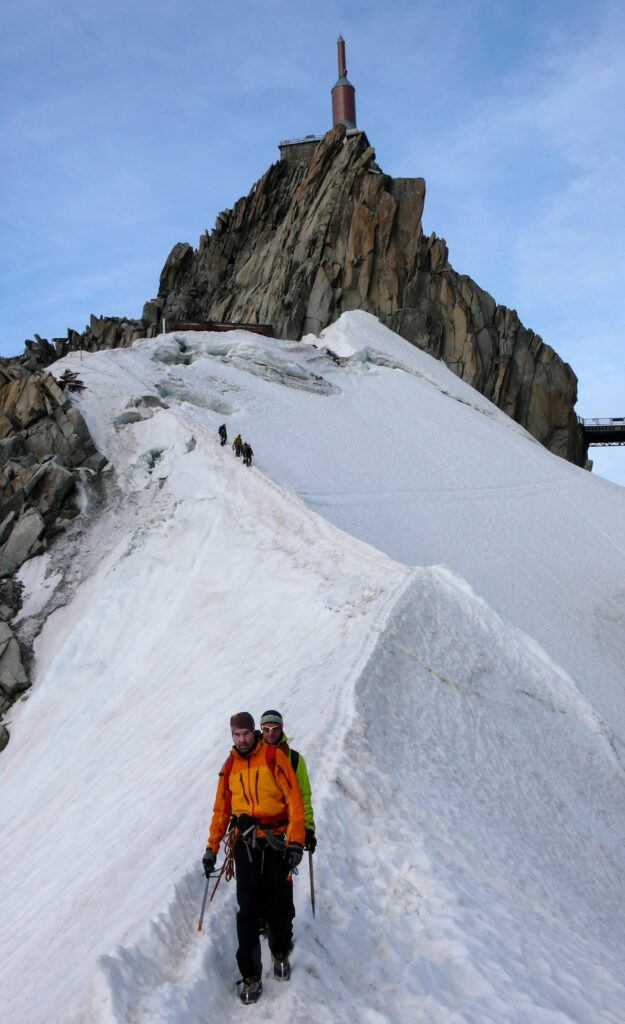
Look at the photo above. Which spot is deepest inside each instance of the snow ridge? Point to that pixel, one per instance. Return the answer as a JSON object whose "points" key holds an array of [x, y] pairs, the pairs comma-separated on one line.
{"points": [[435, 604]]}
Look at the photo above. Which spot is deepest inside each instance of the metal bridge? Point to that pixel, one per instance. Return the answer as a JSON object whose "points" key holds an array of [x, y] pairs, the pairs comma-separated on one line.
{"points": [[604, 431]]}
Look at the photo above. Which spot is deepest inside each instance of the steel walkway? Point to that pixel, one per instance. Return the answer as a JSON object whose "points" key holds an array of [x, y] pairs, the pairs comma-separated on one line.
{"points": [[604, 431]]}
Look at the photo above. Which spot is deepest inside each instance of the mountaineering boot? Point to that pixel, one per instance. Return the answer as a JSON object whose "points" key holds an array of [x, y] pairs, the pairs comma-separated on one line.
{"points": [[251, 989], [281, 967]]}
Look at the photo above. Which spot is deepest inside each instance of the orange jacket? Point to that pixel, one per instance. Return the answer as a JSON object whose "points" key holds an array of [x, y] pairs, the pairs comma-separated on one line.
{"points": [[254, 789]]}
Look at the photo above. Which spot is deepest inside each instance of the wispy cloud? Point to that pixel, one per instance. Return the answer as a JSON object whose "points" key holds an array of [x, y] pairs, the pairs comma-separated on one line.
{"points": [[530, 185]]}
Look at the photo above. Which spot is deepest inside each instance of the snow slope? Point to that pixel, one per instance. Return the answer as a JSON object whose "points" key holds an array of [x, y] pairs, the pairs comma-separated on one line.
{"points": [[464, 726]]}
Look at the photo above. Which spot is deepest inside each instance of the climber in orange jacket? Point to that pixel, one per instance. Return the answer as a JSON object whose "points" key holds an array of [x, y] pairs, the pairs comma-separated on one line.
{"points": [[258, 793]]}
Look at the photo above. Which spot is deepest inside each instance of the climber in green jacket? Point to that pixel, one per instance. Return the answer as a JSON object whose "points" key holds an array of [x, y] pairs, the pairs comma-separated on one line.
{"points": [[272, 725]]}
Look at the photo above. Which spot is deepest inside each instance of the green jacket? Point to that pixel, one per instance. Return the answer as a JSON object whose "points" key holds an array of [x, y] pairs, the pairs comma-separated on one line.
{"points": [[301, 773]]}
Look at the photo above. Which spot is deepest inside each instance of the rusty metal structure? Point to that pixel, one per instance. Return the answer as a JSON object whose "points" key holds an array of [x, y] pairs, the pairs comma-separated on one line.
{"points": [[214, 325], [300, 151], [343, 93]]}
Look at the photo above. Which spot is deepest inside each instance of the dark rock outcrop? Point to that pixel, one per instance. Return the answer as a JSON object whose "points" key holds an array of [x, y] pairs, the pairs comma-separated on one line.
{"points": [[44, 445], [102, 332]]}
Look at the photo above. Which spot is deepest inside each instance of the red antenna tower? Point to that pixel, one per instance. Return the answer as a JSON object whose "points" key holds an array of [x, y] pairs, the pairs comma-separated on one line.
{"points": [[343, 93]]}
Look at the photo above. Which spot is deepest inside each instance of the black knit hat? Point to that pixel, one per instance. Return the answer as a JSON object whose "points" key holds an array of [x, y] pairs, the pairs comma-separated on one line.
{"points": [[242, 721], [271, 718]]}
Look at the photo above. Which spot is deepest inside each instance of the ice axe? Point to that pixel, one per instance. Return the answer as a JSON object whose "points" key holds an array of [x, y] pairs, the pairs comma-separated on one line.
{"points": [[227, 869], [208, 882]]}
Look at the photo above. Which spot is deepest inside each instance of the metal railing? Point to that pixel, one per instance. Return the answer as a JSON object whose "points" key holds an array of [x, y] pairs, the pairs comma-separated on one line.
{"points": [[603, 431], [613, 421], [298, 142]]}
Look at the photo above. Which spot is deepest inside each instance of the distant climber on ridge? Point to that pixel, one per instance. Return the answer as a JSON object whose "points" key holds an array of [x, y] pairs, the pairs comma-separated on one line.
{"points": [[223, 434], [247, 453]]}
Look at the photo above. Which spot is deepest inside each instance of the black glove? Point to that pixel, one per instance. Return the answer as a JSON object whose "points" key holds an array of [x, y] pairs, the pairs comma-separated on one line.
{"points": [[310, 842], [294, 854], [208, 862]]}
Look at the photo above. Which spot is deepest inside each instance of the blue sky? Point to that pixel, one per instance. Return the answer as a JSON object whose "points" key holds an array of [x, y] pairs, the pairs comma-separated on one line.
{"points": [[127, 127]]}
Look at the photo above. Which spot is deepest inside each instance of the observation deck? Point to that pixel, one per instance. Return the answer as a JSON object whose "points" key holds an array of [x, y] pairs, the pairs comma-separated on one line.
{"points": [[610, 431]]}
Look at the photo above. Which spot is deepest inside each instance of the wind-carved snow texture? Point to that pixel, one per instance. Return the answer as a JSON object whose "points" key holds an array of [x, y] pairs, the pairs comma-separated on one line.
{"points": [[86, 539], [477, 862], [252, 357], [51, 581], [464, 727]]}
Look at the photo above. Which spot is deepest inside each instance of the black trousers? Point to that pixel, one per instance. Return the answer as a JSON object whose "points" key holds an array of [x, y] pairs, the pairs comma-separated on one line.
{"points": [[264, 889]]}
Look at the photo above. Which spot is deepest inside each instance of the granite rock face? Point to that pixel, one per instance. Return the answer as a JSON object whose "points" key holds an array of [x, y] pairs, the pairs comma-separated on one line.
{"points": [[44, 445], [311, 242]]}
